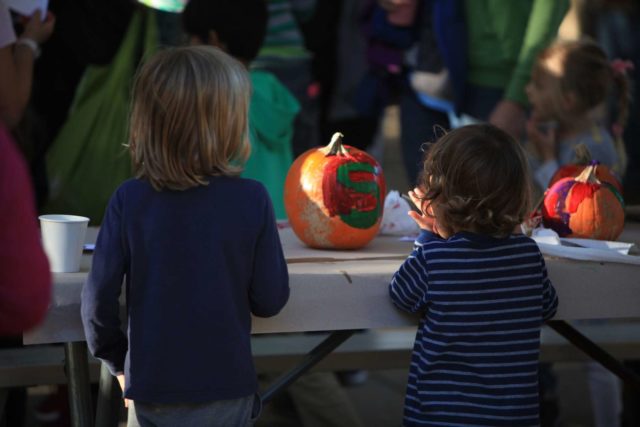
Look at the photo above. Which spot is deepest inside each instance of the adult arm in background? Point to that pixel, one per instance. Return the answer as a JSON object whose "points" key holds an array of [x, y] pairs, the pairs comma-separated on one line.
{"points": [[25, 280], [16, 64], [542, 27]]}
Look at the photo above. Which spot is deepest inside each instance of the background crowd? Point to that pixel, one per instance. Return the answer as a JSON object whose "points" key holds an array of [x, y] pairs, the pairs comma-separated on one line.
{"points": [[316, 67]]}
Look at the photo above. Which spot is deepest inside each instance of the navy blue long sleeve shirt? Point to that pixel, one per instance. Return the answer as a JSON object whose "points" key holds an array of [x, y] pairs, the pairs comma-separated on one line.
{"points": [[196, 264]]}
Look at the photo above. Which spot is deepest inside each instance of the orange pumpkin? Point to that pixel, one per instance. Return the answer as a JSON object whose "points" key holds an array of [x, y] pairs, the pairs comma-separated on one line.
{"points": [[334, 196], [584, 207], [583, 158]]}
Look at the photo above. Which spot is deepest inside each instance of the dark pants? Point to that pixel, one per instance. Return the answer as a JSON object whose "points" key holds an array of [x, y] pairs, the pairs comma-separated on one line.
{"points": [[222, 413]]}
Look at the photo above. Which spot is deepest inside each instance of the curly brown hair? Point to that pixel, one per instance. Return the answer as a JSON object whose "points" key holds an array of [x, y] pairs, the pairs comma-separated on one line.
{"points": [[477, 179]]}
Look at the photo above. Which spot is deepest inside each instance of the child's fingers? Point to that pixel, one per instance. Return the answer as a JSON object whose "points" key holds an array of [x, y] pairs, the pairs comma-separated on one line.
{"points": [[417, 197], [532, 130], [423, 222], [418, 191], [416, 200], [419, 219]]}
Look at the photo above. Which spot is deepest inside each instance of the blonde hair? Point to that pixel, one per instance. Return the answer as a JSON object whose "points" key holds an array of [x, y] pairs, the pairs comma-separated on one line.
{"points": [[590, 76], [189, 117]]}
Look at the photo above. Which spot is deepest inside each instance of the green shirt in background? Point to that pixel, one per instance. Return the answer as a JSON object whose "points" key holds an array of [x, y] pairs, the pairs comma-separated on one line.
{"points": [[284, 39], [272, 112], [504, 38]]}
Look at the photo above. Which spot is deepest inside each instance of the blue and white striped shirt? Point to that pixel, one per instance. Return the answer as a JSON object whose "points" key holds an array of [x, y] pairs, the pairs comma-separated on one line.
{"points": [[475, 358]]}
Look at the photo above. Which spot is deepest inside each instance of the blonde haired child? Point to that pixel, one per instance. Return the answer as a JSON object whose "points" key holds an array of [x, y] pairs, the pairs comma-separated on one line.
{"points": [[570, 80], [570, 85], [482, 292], [196, 245]]}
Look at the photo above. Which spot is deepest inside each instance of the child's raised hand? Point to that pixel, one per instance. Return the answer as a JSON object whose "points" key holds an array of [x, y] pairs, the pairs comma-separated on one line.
{"points": [[424, 221], [543, 139]]}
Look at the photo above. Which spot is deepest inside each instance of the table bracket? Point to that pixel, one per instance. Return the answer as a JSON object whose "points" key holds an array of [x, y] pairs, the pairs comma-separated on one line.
{"points": [[594, 351], [319, 352], [109, 399], [77, 370]]}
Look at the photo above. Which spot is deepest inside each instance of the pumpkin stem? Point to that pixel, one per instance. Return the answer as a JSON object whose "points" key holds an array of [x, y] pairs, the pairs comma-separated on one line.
{"points": [[588, 174], [335, 147], [583, 155]]}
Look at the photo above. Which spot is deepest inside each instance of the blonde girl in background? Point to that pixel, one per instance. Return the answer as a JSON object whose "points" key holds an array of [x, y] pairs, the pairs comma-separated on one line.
{"points": [[570, 84]]}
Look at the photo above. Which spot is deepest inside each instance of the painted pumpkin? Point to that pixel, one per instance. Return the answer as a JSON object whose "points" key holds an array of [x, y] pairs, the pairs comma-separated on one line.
{"points": [[583, 159], [584, 207], [334, 196]]}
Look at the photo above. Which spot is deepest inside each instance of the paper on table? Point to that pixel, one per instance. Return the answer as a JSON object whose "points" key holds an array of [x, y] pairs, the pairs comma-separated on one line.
{"points": [[395, 220], [620, 247], [583, 249], [28, 7]]}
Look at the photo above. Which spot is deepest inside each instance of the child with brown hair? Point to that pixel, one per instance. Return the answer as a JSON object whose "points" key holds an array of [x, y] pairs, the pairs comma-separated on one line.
{"points": [[482, 291], [196, 244], [570, 80]]}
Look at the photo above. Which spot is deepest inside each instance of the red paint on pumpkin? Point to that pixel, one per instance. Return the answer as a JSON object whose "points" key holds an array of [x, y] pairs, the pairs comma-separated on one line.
{"points": [[317, 203]]}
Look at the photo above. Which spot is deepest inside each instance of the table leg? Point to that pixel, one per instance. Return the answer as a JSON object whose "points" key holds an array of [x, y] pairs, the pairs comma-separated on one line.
{"points": [[109, 399], [77, 369], [4, 394], [316, 355], [574, 336]]}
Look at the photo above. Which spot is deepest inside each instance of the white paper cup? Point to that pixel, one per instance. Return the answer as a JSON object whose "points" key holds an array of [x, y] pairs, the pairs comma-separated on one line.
{"points": [[63, 238]]}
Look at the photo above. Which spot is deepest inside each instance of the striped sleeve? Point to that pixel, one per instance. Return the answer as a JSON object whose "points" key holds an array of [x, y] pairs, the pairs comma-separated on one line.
{"points": [[549, 296], [409, 286]]}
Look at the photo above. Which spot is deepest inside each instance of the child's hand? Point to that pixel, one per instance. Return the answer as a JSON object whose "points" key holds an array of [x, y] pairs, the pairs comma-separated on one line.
{"points": [[121, 382], [543, 139], [424, 221], [509, 116], [38, 30]]}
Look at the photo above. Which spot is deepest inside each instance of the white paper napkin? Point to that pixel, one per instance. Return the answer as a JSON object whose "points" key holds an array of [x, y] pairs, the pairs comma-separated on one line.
{"points": [[584, 249]]}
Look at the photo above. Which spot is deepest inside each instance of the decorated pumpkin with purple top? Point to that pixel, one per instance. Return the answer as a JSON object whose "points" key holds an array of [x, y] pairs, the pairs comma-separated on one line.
{"points": [[584, 206], [584, 159], [334, 196]]}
